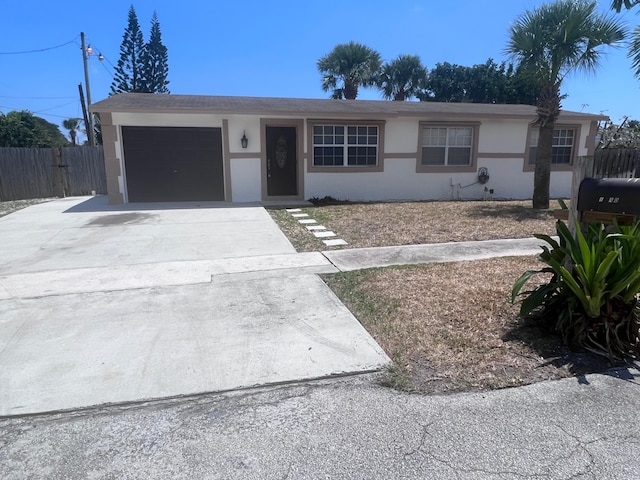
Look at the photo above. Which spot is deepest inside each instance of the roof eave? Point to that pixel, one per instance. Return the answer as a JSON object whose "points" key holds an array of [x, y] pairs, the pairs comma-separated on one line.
{"points": [[352, 115]]}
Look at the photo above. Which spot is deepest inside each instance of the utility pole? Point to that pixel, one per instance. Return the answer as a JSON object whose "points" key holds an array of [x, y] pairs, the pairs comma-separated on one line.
{"points": [[90, 132], [85, 115]]}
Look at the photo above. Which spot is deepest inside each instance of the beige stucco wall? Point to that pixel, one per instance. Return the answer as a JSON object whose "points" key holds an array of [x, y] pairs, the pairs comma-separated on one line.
{"points": [[501, 149], [167, 120], [246, 185], [503, 136], [401, 135]]}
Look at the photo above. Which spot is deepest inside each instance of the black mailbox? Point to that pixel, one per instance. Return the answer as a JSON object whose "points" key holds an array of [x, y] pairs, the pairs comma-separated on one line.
{"points": [[610, 195]]}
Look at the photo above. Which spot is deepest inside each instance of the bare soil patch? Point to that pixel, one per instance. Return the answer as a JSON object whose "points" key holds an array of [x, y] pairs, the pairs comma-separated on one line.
{"points": [[408, 223], [451, 327]]}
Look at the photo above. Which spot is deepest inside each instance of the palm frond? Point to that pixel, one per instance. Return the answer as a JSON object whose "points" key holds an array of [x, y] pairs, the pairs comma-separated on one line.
{"points": [[402, 78], [559, 38], [351, 63], [634, 50]]}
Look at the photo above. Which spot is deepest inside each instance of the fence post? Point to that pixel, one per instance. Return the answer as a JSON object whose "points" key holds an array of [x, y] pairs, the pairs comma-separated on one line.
{"points": [[64, 166], [58, 173], [581, 170]]}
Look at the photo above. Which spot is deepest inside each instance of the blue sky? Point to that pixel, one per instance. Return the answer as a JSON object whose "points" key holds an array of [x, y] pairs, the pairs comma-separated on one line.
{"points": [[269, 48]]}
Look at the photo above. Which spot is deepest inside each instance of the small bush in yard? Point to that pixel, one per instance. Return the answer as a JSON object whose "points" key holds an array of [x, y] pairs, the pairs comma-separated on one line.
{"points": [[326, 200], [591, 297]]}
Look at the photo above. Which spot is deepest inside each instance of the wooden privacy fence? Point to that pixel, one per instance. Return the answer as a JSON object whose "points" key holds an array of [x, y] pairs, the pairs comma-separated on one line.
{"points": [[51, 172], [616, 163], [606, 163]]}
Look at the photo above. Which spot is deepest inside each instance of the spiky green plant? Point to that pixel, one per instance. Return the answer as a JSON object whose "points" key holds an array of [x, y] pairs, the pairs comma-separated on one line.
{"points": [[591, 296]]}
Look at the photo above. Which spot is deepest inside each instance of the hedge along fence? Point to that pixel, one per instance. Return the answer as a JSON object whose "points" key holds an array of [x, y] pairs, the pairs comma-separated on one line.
{"points": [[51, 172]]}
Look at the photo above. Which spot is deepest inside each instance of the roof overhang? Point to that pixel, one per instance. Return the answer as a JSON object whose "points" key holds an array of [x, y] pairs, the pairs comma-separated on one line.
{"points": [[147, 103]]}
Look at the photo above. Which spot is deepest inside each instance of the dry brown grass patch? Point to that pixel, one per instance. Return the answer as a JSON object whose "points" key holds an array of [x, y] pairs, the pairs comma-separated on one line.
{"points": [[409, 223], [450, 327]]}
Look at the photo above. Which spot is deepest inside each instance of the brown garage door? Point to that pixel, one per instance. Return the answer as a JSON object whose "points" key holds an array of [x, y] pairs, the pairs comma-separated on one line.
{"points": [[173, 164]]}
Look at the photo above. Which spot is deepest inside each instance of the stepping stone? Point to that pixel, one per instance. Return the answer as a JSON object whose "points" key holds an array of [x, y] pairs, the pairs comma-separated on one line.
{"points": [[316, 227], [299, 215], [293, 210], [307, 220], [335, 242], [324, 234]]}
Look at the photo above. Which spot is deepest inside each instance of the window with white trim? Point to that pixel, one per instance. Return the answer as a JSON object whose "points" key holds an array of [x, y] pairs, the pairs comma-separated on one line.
{"points": [[447, 146], [345, 145], [561, 149]]}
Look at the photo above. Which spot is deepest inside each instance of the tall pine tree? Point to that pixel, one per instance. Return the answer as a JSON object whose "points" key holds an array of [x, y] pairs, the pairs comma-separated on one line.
{"points": [[156, 66], [129, 73]]}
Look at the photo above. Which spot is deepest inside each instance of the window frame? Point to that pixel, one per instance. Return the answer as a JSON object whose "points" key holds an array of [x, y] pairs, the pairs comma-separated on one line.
{"points": [[473, 160], [378, 167], [558, 167]]}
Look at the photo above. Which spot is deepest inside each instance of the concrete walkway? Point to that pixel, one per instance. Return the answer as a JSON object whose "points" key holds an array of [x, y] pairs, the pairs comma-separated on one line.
{"points": [[359, 258]]}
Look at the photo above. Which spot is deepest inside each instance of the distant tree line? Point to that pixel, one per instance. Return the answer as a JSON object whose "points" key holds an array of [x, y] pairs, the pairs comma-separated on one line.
{"points": [[24, 129], [487, 82], [352, 65]]}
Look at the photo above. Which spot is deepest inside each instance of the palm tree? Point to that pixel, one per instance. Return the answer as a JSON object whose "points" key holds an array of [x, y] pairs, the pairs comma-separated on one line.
{"points": [[402, 78], [352, 65], [618, 4], [634, 45], [72, 124], [551, 42]]}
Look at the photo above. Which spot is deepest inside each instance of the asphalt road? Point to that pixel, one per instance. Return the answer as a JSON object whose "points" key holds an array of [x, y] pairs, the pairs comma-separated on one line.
{"points": [[350, 428]]}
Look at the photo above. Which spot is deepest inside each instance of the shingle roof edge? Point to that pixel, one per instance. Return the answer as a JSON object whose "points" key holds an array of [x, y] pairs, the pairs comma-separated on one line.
{"points": [[207, 104]]}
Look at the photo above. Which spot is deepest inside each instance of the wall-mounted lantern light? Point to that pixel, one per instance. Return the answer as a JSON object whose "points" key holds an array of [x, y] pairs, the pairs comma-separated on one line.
{"points": [[244, 141]]}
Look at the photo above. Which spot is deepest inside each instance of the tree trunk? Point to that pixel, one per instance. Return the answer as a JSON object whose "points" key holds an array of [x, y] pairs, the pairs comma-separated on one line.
{"points": [[350, 90], [542, 175], [548, 110]]}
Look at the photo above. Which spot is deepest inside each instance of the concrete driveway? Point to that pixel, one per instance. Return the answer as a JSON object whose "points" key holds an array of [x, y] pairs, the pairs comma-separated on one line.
{"points": [[102, 304]]}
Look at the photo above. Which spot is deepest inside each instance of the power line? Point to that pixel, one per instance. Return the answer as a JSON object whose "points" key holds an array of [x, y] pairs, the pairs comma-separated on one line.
{"points": [[37, 98], [101, 56], [112, 65], [53, 108], [105, 67], [53, 115], [39, 112], [101, 59], [40, 49]]}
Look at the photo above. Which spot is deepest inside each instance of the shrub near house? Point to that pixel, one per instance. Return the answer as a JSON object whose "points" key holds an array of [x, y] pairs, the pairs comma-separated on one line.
{"points": [[591, 298]]}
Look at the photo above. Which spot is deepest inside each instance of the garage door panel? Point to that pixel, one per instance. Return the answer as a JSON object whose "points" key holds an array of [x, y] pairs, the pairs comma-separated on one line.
{"points": [[173, 163]]}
